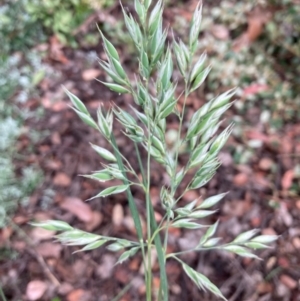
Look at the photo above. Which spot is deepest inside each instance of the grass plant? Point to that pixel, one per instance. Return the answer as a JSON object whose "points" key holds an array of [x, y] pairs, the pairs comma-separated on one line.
{"points": [[155, 95]]}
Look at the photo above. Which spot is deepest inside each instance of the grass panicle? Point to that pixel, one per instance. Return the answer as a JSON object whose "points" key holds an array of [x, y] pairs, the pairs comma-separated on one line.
{"points": [[155, 94]]}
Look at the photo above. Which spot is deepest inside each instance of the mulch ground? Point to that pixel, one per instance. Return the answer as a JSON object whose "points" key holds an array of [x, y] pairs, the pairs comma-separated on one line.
{"points": [[261, 195]]}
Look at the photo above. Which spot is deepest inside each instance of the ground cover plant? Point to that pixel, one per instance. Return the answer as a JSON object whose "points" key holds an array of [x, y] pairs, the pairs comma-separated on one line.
{"points": [[155, 95]]}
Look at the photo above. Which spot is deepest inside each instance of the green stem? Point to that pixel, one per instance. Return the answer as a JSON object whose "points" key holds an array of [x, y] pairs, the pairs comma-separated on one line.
{"points": [[122, 292], [148, 204], [132, 205], [140, 163], [196, 249], [179, 135], [166, 234], [113, 144], [144, 183], [2, 294]]}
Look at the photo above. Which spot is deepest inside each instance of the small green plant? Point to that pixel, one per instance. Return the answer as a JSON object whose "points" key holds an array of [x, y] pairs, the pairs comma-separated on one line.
{"points": [[21, 35], [154, 94], [63, 17], [18, 79]]}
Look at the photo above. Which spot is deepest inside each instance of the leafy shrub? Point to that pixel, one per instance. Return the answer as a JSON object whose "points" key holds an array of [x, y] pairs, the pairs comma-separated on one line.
{"points": [[62, 17], [19, 75], [18, 31]]}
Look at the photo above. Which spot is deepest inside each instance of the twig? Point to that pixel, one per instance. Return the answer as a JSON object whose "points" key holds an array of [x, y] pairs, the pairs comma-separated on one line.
{"points": [[34, 253]]}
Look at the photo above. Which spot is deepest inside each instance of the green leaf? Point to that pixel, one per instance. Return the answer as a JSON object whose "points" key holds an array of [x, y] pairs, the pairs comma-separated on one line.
{"points": [[222, 100], [180, 58], [179, 176], [159, 43], [198, 68], [104, 153], [186, 223], [77, 237], [109, 47], [127, 254], [255, 245], [166, 69], [191, 205], [183, 212], [115, 87], [211, 201], [104, 126], [112, 73], [140, 9], [53, 225], [158, 144], [77, 103], [266, 239], [111, 190], [155, 16], [167, 110], [87, 119], [241, 251], [200, 79], [209, 233], [244, 237], [220, 141], [102, 176], [119, 69], [211, 242], [156, 154], [199, 154], [132, 205], [115, 247], [93, 245], [195, 27], [125, 117], [202, 281], [115, 172], [202, 213], [202, 179]]}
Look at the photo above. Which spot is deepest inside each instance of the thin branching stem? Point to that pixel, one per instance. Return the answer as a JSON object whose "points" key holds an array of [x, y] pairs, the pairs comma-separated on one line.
{"points": [[166, 234], [196, 249], [144, 187]]}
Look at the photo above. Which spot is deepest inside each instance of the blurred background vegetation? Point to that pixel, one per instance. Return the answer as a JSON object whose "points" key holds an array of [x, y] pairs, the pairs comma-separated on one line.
{"points": [[254, 45]]}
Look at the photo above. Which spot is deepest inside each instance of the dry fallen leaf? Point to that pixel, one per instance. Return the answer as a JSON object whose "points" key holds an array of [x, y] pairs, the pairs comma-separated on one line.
{"points": [[77, 207], [105, 269], [220, 32], [56, 138], [296, 242], [56, 52], [190, 196], [78, 295], [90, 74], [94, 222], [287, 179], [49, 249], [65, 288], [288, 281], [256, 21], [117, 215], [35, 290], [62, 179], [39, 234], [265, 164], [236, 208], [241, 179], [264, 287], [255, 89]]}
